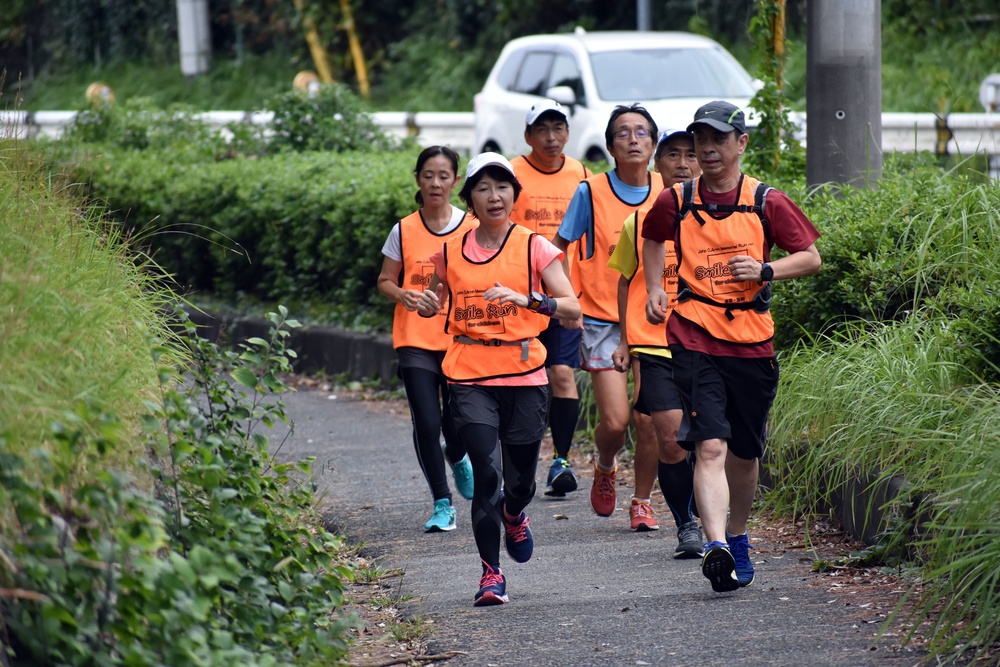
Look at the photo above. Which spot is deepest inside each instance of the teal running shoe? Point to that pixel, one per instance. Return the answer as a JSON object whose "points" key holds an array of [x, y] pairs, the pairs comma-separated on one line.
{"points": [[462, 472], [443, 518]]}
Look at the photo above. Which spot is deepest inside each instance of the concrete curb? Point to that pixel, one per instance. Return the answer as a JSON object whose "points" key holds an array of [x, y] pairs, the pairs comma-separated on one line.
{"points": [[331, 350]]}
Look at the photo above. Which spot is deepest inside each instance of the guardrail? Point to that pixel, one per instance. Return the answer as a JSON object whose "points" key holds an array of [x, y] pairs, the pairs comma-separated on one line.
{"points": [[953, 134]]}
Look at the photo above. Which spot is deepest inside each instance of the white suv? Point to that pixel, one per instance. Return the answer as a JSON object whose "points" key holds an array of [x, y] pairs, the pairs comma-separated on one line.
{"points": [[669, 73]]}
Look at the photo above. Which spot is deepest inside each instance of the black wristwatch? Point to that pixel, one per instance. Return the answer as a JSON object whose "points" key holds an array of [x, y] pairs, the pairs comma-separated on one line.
{"points": [[766, 273], [535, 299]]}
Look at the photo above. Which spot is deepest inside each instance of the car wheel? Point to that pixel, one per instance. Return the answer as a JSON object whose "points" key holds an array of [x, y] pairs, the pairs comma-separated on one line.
{"points": [[595, 154]]}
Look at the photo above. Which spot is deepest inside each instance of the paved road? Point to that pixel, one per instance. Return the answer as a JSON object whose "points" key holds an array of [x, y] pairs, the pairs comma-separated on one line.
{"points": [[593, 594]]}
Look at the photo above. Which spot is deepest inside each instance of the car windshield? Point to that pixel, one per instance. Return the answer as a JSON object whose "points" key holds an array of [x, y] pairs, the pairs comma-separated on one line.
{"points": [[656, 74]]}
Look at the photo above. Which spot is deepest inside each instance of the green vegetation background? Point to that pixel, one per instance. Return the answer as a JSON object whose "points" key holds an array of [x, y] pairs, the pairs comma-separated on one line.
{"points": [[433, 55], [890, 356]]}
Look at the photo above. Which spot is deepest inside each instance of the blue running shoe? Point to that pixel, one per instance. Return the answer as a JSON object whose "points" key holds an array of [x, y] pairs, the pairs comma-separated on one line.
{"points": [[562, 479], [718, 567], [517, 535], [739, 546], [492, 587], [462, 472], [443, 518]]}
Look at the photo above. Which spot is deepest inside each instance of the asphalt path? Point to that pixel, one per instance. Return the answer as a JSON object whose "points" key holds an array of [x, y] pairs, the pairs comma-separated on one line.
{"points": [[594, 593]]}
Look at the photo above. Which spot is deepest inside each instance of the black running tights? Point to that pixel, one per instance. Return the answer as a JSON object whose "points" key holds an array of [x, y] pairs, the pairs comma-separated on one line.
{"points": [[491, 461], [427, 394]]}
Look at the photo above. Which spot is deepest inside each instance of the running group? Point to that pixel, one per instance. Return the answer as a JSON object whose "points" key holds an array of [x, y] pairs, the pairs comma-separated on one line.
{"points": [[550, 269]]}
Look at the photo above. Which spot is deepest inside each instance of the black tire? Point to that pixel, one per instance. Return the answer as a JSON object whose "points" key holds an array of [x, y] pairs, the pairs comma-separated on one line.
{"points": [[595, 154]]}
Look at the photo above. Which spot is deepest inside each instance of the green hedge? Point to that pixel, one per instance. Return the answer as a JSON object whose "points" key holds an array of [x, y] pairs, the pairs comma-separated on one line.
{"points": [[298, 228], [257, 222], [923, 239]]}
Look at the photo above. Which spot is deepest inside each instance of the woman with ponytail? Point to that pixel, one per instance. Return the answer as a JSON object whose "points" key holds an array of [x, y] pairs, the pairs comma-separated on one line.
{"points": [[406, 271]]}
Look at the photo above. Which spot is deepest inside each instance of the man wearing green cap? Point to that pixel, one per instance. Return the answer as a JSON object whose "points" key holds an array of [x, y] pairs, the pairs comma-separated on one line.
{"points": [[720, 332]]}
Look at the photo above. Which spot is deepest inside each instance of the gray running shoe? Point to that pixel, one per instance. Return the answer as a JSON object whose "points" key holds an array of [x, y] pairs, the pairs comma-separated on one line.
{"points": [[690, 543]]}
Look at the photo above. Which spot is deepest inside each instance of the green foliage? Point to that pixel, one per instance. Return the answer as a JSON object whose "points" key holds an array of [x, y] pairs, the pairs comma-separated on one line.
{"points": [[898, 400], [923, 239], [138, 125], [78, 307], [225, 564], [242, 84], [297, 228], [330, 119], [143, 518], [406, 86], [774, 152]]}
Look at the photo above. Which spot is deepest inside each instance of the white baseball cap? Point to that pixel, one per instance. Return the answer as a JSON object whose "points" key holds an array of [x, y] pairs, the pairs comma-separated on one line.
{"points": [[670, 134], [482, 160], [537, 110]]}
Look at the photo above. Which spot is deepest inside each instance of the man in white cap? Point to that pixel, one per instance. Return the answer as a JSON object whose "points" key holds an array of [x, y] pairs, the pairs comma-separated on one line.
{"points": [[723, 225], [549, 179], [656, 411]]}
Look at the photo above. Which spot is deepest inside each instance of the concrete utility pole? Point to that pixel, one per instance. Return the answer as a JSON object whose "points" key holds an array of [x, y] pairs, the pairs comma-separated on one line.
{"points": [[844, 92], [195, 38], [644, 17]]}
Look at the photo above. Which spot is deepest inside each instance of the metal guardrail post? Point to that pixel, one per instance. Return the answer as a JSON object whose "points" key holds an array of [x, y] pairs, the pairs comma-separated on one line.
{"points": [[943, 134]]}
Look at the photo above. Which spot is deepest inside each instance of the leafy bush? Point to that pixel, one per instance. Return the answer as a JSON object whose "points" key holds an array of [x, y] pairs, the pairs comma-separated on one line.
{"points": [[922, 239], [143, 520], [897, 400], [297, 228], [332, 118], [226, 564], [78, 308]]}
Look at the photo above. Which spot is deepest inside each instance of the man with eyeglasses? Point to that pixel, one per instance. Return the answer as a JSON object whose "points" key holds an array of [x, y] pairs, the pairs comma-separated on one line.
{"points": [[594, 220], [723, 225], [549, 179], [656, 412]]}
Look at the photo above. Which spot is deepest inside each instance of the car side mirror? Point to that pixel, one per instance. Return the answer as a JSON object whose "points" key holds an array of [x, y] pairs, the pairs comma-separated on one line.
{"points": [[564, 95]]}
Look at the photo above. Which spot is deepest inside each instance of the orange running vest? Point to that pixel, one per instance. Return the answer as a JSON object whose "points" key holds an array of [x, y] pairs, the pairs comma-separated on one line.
{"points": [[542, 204], [735, 311], [593, 280], [640, 332], [488, 323], [417, 243]]}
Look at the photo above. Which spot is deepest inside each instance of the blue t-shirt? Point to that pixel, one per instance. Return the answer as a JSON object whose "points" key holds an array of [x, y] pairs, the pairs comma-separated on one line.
{"points": [[579, 218]]}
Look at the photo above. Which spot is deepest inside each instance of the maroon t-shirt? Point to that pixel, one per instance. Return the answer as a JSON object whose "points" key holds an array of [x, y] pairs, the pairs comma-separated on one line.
{"points": [[788, 228]]}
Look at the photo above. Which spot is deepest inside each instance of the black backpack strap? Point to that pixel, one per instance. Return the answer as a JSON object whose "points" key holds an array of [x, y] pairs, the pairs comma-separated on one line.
{"points": [[687, 199], [759, 205]]}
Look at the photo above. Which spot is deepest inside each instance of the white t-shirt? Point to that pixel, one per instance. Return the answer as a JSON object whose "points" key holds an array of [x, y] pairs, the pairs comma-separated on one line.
{"points": [[393, 248]]}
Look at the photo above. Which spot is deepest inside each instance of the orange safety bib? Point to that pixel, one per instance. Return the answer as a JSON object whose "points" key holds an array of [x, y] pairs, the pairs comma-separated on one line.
{"points": [[542, 203], [593, 280], [640, 332], [418, 243], [735, 311], [491, 340]]}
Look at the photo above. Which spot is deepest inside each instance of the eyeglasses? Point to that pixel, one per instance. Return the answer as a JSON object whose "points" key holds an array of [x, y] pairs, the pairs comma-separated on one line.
{"points": [[640, 133]]}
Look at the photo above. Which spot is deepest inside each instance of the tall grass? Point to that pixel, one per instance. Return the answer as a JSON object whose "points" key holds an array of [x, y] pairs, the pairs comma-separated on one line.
{"points": [[78, 312], [894, 401], [902, 393]]}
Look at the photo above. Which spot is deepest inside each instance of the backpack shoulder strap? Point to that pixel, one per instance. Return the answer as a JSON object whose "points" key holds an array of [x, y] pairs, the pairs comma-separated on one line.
{"points": [[687, 199]]}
